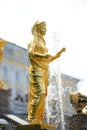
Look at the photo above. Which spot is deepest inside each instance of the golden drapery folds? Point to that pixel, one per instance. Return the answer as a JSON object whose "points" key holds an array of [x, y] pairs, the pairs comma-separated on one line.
{"points": [[2, 44], [39, 73]]}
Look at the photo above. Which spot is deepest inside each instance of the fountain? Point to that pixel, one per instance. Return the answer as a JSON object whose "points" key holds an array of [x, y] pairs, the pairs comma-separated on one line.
{"points": [[39, 76], [54, 103]]}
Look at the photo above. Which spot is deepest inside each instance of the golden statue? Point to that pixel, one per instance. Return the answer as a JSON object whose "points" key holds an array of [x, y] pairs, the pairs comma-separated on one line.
{"points": [[2, 44], [79, 102], [39, 73]]}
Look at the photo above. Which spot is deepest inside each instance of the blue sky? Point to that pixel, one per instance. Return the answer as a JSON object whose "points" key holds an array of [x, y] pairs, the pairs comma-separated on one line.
{"points": [[68, 18]]}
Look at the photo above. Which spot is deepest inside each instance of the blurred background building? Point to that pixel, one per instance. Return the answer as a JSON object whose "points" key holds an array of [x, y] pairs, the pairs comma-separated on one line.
{"points": [[14, 74]]}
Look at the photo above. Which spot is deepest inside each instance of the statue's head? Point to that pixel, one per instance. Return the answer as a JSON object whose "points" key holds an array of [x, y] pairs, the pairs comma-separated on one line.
{"points": [[39, 28]]}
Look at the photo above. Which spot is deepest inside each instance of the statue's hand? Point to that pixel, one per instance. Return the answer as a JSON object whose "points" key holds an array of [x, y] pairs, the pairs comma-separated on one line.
{"points": [[58, 54], [63, 49]]}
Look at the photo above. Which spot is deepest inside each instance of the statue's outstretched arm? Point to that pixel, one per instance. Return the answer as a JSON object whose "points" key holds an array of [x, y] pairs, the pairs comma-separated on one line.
{"points": [[47, 57], [58, 54]]}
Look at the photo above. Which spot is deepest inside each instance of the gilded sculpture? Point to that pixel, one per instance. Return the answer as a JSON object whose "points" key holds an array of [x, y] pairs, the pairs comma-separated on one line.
{"points": [[79, 102], [39, 72]]}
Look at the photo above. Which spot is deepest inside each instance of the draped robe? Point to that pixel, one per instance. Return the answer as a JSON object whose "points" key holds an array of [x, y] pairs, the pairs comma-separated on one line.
{"points": [[39, 76]]}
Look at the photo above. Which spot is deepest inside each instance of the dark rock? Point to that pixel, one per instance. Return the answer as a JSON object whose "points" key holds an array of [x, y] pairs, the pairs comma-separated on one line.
{"points": [[77, 122]]}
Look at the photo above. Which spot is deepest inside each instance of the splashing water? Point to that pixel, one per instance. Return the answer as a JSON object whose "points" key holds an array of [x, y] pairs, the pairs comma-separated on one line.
{"points": [[55, 113], [61, 101]]}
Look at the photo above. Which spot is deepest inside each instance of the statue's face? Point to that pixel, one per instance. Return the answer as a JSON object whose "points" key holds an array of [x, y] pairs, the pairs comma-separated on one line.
{"points": [[43, 30]]}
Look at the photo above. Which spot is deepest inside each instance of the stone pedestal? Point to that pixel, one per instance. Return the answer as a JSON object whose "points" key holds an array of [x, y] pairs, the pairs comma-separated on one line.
{"points": [[78, 122], [29, 127], [43, 126]]}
